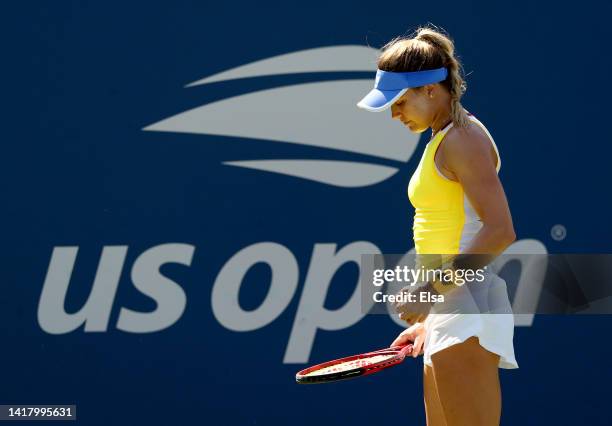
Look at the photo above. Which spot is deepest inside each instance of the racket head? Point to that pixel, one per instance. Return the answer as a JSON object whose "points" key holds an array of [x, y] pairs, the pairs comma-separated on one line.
{"points": [[353, 366]]}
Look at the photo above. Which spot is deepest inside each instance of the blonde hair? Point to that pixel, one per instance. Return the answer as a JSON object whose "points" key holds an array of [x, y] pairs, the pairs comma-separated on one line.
{"points": [[428, 48]]}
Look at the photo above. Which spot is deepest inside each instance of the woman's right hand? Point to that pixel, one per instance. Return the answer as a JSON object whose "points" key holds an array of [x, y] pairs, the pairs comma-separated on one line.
{"points": [[414, 334]]}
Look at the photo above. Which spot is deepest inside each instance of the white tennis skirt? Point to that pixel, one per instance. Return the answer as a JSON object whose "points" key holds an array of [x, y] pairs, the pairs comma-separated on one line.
{"points": [[477, 309]]}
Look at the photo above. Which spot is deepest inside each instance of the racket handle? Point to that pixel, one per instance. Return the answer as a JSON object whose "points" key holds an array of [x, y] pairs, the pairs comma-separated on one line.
{"points": [[406, 350]]}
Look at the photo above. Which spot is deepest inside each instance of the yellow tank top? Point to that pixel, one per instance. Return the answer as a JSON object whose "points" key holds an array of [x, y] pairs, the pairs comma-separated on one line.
{"points": [[444, 220]]}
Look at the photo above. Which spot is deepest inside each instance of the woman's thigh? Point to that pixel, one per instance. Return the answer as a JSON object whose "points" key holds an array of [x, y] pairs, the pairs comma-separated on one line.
{"points": [[467, 381], [433, 409]]}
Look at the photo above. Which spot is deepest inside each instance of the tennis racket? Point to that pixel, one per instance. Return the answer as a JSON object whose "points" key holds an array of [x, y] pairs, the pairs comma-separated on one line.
{"points": [[353, 366]]}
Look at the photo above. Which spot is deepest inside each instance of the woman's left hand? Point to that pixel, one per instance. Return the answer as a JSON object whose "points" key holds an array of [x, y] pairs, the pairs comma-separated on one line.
{"points": [[414, 334]]}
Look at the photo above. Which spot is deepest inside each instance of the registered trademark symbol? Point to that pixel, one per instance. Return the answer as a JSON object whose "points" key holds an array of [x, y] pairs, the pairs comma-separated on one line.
{"points": [[558, 232]]}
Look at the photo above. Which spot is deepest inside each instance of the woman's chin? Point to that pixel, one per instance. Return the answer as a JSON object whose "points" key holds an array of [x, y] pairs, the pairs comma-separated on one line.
{"points": [[413, 128], [410, 125]]}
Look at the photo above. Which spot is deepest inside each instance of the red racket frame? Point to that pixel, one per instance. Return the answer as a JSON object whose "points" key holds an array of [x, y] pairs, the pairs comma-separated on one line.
{"points": [[400, 353]]}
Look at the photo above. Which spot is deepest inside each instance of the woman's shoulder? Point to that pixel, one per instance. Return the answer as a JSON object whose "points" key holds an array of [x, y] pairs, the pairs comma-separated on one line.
{"points": [[473, 136], [469, 144]]}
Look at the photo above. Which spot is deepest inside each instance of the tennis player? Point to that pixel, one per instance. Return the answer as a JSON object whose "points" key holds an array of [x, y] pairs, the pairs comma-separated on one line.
{"points": [[460, 208]]}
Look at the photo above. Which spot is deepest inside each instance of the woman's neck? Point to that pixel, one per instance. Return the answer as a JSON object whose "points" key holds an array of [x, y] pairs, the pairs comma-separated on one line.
{"points": [[435, 128], [441, 120]]}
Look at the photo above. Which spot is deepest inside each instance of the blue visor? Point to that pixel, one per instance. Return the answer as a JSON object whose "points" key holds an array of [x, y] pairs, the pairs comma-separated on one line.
{"points": [[390, 86]]}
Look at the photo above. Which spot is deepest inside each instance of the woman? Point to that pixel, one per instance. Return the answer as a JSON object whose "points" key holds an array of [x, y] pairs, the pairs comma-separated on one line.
{"points": [[460, 208]]}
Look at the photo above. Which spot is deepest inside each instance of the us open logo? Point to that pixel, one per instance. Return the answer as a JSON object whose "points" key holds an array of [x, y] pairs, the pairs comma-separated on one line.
{"points": [[317, 114]]}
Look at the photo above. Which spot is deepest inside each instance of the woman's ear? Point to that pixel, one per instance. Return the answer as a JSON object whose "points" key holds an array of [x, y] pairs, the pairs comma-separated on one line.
{"points": [[430, 90]]}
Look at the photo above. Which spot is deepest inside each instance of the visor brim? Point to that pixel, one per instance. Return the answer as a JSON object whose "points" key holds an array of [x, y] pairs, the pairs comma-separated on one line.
{"points": [[380, 100]]}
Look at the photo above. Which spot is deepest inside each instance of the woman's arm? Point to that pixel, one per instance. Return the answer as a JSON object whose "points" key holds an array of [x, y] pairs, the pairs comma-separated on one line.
{"points": [[466, 154]]}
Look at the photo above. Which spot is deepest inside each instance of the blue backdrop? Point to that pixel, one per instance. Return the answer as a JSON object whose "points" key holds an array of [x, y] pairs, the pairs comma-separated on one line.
{"points": [[84, 172]]}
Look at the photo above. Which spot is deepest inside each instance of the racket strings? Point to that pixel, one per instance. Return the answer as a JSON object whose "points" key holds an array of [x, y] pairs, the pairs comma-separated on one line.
{"points": [[351, 365]]}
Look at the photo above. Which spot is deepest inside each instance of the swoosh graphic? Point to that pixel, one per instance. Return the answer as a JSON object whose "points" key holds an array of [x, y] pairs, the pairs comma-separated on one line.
{"points": [[322, 59], [321, 114], [346, 174]]}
